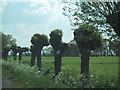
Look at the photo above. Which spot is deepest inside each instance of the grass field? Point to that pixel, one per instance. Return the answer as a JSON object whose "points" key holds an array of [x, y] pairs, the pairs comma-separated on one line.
{"points": [[103, 73]]}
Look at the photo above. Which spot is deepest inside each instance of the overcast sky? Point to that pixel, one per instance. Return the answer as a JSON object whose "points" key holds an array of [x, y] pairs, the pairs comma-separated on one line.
{"points": [[23, 19]]}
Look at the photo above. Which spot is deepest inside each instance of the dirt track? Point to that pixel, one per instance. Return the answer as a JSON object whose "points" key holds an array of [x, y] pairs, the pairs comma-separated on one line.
{"points": [[6, 83]]}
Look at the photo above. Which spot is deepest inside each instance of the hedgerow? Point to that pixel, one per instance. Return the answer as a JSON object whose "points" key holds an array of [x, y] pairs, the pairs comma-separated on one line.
{"points": [[31, 77]]}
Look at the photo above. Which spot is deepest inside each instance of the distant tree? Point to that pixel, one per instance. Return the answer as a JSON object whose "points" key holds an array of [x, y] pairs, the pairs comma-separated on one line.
{"points": [[87, 38], [110, 47], [7, 42], [26, 50], [48, 51], [115, 46], [5, 51], [99, 14], [38, 42], [106, 48], [14, 50], [72, 50], [59, 47]]}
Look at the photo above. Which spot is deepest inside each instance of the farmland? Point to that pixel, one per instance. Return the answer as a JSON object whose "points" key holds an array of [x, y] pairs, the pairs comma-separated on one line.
{"points": [[103, 73]]}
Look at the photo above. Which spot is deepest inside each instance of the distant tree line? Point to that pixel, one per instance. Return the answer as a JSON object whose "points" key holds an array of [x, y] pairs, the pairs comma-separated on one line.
{"points": [[9, 47], [109, 48]]}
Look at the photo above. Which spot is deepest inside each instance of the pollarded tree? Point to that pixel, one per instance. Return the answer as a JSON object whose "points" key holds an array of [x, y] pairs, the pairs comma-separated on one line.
{"points": [[38, 42], [14, 50], [59, 47], [88, 38], [5, 51]]}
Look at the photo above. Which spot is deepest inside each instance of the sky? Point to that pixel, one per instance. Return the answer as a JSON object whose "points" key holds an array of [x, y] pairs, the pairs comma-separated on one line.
{"points": [[23, 19]]}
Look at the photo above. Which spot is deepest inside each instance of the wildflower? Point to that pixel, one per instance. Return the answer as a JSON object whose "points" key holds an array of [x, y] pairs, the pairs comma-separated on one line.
{"points": [[91, 76], [96, 81], [27, 82]]}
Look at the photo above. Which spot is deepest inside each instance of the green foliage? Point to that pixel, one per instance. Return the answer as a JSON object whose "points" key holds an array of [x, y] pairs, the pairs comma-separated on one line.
{"points": [[39, 40], [56, 37], [115, 46], [28, 77], [87, 36], [19, 47], [100, 14], [6, 48], [7, 40], [56, 33], [103, 73]]}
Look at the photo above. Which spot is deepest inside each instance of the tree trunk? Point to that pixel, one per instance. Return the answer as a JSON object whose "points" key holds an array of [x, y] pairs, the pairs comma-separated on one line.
{"points": [[5, 56], [39, 60], [85, 64], [85, 67], [33, 57], [57, 65], [113, 20], [20, 56], [58, 58], [14, 55]]}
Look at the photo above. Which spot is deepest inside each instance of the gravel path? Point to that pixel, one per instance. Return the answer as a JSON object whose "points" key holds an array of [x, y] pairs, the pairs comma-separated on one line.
{"points": [[6, 83]]}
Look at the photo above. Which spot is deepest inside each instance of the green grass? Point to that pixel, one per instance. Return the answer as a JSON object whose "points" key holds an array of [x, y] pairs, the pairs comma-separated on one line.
{"points": [[103, 72]]}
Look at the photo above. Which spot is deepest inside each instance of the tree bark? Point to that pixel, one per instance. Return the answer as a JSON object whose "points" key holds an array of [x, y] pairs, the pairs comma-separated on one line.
{"points": [[5, 55], [20, 55], [58, 59], [113, 20], [85, 66], [32, 61], [36, 52], [39, 60], [14, 55], [57, 65]]}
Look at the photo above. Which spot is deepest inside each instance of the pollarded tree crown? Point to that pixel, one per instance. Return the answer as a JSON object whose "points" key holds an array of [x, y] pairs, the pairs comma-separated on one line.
{"points": [[39, 40], [6, 48], [87, 36], [57, 33], [18, 47], [56, 37]]}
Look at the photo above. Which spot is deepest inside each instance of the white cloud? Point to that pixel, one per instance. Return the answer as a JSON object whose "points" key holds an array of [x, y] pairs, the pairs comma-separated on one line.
{"points": [[38, 11], [22, 32], [27, 28], [44, 2], [41, 7], [52, 19], [26, 31], [3, 5], [33, 4], [56, 19]]}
